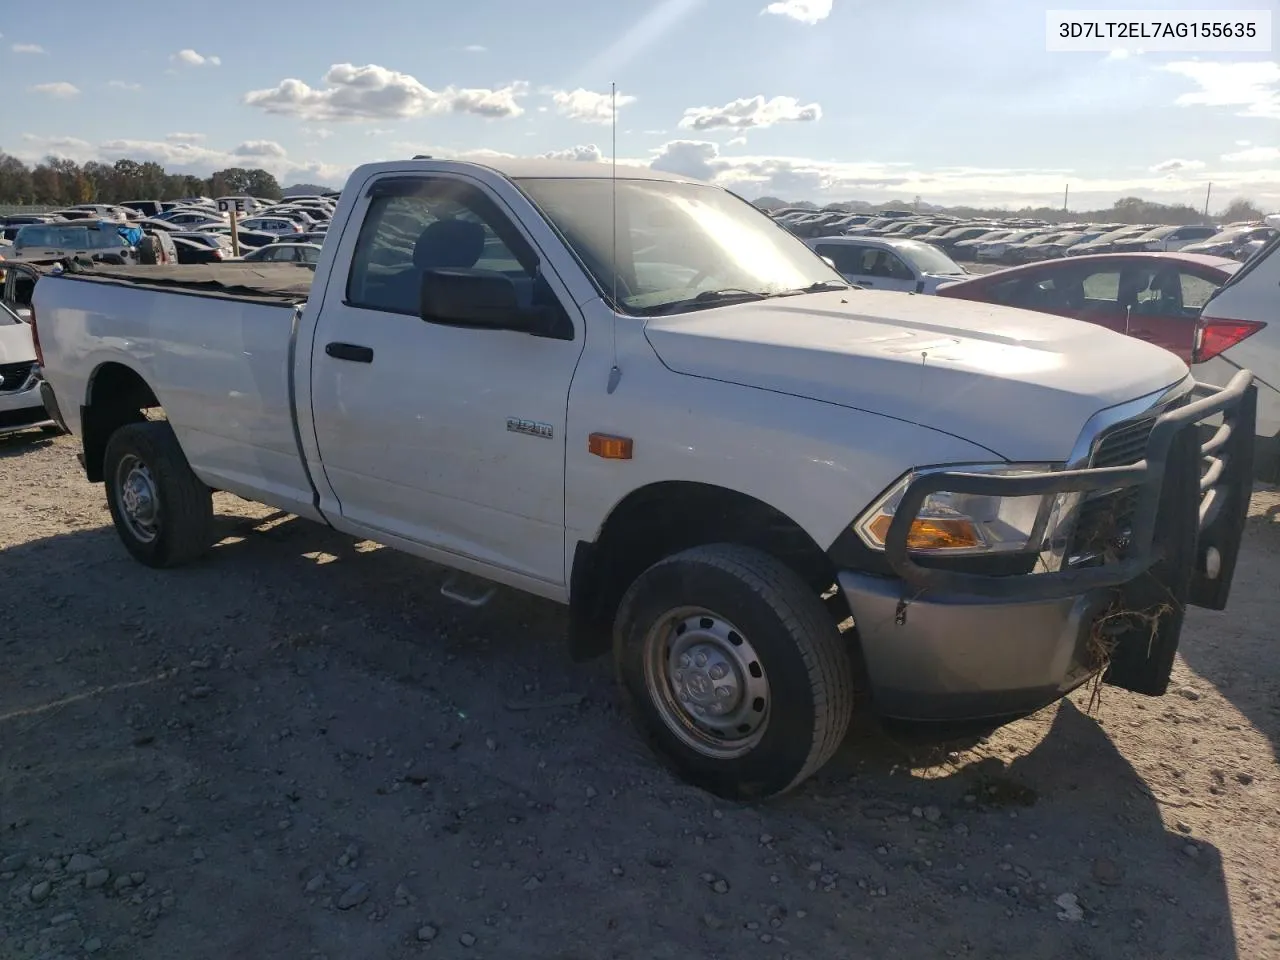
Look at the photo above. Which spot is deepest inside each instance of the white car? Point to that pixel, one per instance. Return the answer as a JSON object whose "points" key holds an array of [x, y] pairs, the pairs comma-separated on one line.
{"points": [[691, 432], [994, 250], [884, 263], [21, 406], [280, 226], [1239, 327], [308, 253]]}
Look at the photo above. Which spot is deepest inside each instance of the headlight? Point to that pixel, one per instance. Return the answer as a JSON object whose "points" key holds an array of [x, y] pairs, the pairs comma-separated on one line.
{"points": [[964, 523]]}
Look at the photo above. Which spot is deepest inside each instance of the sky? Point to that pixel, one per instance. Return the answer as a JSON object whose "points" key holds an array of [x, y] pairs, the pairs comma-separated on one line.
{"points": [[954, 101]]}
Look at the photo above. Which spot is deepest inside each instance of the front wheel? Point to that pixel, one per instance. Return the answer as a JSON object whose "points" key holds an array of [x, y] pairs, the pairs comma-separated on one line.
{"points": [[734, 670], [161, 510]]}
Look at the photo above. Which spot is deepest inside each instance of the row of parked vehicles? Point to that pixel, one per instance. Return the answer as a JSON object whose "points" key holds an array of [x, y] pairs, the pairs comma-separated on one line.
{"points": [[1020, 241], [191, 231]]}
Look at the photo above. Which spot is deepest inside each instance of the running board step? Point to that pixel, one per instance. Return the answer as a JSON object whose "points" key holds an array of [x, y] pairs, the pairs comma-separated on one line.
{"points": [[468, 591]]}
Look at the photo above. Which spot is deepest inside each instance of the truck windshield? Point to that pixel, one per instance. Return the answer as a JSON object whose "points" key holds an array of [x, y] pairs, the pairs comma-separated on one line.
{"points": [[675, 241]]}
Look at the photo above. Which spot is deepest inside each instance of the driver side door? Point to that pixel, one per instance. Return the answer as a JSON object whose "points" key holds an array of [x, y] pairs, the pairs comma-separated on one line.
{"points": [[449, 437]]}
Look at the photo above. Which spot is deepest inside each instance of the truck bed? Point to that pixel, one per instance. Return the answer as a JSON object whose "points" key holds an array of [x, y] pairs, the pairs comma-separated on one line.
{"points": [[277, 283]]}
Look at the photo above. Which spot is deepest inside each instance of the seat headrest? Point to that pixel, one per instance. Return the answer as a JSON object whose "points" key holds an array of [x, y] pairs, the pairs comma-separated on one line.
{"points": [[449, 243]]}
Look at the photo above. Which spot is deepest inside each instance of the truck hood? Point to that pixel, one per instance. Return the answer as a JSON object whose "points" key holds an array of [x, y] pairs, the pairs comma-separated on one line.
{"points": [[1019, 383], [15, 342]]}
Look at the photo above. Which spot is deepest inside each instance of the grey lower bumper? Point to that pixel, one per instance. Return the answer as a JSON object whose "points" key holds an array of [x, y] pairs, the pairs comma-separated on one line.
{"points": [[962, 659]]}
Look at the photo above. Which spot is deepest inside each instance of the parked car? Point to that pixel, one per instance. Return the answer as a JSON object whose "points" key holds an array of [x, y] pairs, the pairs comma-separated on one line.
{"points": [[192, 250], [307, 253], [1164, 239], [774, 434], [1231, 242], [887, 263], [992, 251], [1106, 243], [144, 208], [1019, 252], [278, 226], [1151, 296], [92, 240], [21, 407], [1240, 325], [189, 219], [963, 250], [1055, 248]]}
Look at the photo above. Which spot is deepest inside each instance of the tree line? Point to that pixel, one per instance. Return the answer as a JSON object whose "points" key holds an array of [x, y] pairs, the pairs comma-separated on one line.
{"points": [[1125, 210], [57, 181]]}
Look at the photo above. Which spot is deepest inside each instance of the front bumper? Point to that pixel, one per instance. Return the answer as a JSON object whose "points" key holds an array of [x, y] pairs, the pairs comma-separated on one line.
{"points": [[22, 408], [944, 645]]}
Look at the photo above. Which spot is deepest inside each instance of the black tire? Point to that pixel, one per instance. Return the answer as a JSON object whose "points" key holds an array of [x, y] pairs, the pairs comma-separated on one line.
{"points": [[184, 519], [807, 664]]}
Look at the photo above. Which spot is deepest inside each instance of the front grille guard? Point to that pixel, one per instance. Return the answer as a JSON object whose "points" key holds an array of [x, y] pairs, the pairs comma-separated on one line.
{"points": [[1229, 445]]}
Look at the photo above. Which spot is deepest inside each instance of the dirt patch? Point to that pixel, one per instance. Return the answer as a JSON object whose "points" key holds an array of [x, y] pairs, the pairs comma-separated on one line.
{"points": [[297, 748]]}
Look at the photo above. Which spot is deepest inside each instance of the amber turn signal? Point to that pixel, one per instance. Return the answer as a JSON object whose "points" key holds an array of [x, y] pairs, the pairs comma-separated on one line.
{"points": [[932, 533], [609, 447]]}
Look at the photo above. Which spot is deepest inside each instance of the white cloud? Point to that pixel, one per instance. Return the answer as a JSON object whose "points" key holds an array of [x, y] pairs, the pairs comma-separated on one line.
{"points": [[690, 158], [321, 133], [750, 112], [124, 85], [185, 137], [806, 11], [1253, 85], [1244, 143], [736, 142], [475, 48], [193, 59], [587, 105], [372, 92], [589, 153], [61, 89], [1253, 155], [1176, 165], [27, 48], [261, 150]]}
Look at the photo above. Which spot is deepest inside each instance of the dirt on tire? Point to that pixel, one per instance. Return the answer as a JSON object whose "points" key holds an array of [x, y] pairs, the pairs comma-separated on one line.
{"points": [[296, 747]]}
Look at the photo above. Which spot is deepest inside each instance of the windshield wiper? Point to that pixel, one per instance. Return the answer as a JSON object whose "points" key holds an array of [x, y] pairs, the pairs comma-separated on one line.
{"points": [[822, 286], [707, 298]]}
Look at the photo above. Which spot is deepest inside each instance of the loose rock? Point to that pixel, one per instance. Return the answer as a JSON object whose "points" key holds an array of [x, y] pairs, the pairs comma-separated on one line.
{"points": [[427, 933], [720, 886], [13, 862], [467, 939], [1107, 872], [96, 878], [316, 882], [354, 895], [1069, 908], [82, 863], [40, 891]]}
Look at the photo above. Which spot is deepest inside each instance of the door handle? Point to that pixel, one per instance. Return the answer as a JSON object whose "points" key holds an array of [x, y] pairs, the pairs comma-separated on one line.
{"points": [[349, 351]]}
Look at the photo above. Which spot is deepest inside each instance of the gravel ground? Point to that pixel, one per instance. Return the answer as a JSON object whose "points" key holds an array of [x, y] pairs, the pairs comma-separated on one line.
{"points": [[298, 749]]}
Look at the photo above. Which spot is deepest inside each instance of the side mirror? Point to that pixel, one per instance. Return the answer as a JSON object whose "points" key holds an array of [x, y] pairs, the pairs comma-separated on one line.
{"points": [[474, 298]]}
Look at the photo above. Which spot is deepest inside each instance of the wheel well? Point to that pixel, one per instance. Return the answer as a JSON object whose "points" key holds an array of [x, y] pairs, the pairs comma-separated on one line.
{"points": [[665, 518], [116, 396]]}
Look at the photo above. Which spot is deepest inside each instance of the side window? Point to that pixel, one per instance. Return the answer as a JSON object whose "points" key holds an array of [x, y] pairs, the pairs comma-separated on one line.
{"points": [[1102, 288], [845, 256], [1196, 292], [430, 224], [308, 255], [1008, 293]]}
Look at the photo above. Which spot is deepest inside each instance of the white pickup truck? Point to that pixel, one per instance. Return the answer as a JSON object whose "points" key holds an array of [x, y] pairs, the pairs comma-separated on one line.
{"points": [[642, 398]]}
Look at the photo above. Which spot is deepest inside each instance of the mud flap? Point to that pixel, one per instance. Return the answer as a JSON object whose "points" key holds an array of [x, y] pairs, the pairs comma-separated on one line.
{"points": [[1154, 604], [1229, 509]]}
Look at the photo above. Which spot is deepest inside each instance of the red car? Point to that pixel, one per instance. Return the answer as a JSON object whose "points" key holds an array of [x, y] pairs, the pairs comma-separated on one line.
{"points": [[1151, 296]]}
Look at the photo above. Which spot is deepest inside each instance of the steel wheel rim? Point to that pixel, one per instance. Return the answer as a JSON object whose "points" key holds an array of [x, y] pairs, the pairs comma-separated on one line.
{"points": [[138, 498], [707, 682]]}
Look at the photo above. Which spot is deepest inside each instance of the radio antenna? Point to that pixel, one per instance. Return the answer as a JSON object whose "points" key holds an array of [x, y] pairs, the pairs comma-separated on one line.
{"points": [[615, 374]]}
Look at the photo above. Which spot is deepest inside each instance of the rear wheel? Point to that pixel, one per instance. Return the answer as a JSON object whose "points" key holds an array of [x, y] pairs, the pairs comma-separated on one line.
{"points": [[734, 670], [161, 510]]}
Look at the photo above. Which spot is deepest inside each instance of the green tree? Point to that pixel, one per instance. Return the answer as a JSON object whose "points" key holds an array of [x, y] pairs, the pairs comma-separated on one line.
{"points": [[15, 181], [1241, 209]]}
